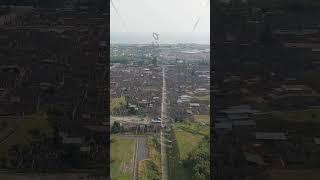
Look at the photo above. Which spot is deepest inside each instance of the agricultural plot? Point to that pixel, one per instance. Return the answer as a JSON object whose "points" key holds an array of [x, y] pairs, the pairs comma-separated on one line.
{"points": [[202, 119], [122, 157], [188, 136]]}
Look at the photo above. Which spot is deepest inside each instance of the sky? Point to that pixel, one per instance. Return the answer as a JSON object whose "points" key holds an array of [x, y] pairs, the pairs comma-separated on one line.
{"points": [[161, 16]]}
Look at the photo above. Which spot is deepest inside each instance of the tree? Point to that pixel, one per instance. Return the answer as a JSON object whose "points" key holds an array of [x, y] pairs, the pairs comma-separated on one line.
{"points": [[118, 104], [115, 127], [132, 110], [154, 61], [199, 159]]}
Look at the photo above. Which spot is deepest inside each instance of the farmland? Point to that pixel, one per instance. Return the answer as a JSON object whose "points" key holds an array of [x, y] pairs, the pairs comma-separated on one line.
{"points": [[188, 137], [122, 154]]}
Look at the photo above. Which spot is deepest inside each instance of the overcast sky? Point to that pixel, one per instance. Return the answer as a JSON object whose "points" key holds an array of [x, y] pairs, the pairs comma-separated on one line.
{"points": [[160, 16]]}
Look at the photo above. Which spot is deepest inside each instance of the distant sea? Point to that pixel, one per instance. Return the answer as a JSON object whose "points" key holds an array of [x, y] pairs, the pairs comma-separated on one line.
{"points": [[164, 38]]}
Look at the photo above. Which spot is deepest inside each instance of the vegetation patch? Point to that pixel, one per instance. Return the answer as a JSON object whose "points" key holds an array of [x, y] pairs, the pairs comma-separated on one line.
{"points": [[121, 156], [151, 88], [186, 142], [154, 151], [148, 170], [192, 143], [118, 104], [151, 168], [205, 98], [202, 118], [199, 160], [193, 128]]}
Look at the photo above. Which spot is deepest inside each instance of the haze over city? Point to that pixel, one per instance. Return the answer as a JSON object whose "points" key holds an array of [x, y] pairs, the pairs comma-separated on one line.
{"points": [[178, 21]]}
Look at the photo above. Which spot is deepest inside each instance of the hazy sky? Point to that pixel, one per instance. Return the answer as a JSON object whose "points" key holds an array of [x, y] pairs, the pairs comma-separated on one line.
{"points": [[160, 16]]}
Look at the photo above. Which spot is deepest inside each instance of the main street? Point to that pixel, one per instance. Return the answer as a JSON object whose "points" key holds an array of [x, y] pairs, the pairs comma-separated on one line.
{"points": [[164, 165]]}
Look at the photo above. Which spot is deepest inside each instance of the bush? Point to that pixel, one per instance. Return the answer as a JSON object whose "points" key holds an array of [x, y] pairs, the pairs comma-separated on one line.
{"points": [[200, 160], [118, 104], [115, 127]]}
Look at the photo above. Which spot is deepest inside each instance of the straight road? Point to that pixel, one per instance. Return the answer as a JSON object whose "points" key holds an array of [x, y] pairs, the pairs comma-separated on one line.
{"points": [[164, 165]]}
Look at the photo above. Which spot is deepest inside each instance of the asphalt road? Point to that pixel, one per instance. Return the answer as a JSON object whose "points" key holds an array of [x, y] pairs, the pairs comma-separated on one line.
{"points": [[164, 166], [142, 148], [141, 153]]}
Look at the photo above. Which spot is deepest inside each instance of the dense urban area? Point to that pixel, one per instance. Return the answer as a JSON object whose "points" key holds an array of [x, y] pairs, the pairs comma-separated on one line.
{"points": [[266, 90], [53, 106], [159, 111], [55, 99]]}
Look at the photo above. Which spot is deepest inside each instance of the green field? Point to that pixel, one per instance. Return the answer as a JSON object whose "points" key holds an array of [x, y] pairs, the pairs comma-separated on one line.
{"points": [[202, 118], [151, 88], [22, 128], [192, 128], [182, 172], [186, 142], [151, 168], [122, 155], [205, 98], [148, 170], [188, 136]]}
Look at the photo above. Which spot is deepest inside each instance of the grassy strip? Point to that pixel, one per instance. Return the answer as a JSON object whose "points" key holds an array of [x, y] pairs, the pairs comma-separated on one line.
{"points": [[121, 154], [193, 128], [148, 170], [202, 118], [154, 150], [151, 168], [205, 98]]}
